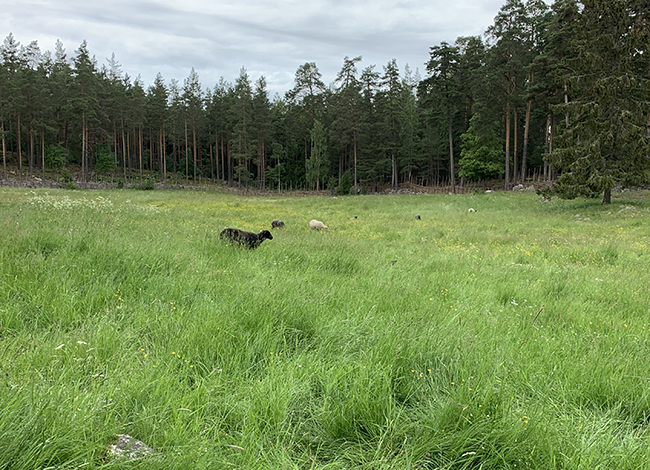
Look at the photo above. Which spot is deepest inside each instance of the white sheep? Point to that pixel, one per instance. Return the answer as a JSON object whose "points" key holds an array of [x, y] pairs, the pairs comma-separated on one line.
{"points": [[316, 225]]}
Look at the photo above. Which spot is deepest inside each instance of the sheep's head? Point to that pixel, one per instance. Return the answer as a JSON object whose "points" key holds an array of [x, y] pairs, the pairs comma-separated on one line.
{"points": [[265, 235]]}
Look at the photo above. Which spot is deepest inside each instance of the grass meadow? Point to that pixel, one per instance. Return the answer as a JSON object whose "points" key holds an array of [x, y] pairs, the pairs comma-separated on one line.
{"points": [[515, 336]]}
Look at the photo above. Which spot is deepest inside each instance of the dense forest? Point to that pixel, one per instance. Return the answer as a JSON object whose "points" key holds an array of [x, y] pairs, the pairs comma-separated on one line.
{"points": [[555, 92]]}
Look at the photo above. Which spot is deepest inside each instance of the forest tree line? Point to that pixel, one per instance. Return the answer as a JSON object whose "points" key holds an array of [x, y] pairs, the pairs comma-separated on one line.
{"points": [[558, 91]]}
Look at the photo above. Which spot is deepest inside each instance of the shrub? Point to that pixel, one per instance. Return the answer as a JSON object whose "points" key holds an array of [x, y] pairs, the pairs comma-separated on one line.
{"points": [[56, 156], [105, 159], [346, 185], [147, 184], [66, 176]]}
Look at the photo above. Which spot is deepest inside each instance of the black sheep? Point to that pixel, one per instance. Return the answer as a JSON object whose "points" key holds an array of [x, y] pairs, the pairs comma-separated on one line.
{"points": [[247, 239], [277, 224]]}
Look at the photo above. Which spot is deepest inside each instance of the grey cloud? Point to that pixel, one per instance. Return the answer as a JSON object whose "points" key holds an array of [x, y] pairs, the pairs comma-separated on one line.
{"points": [[268, 38]]}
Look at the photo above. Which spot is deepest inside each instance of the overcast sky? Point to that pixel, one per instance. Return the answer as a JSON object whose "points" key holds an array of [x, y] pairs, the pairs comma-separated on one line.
{"points": [[267, 37]]}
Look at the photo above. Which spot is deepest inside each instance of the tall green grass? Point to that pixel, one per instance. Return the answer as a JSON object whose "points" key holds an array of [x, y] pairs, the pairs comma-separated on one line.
{"points": [[515, 336]]}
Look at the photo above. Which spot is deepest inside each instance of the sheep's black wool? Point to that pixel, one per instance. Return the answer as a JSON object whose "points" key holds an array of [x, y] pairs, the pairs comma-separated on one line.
{"points": [[277, 224], [247, 239]]}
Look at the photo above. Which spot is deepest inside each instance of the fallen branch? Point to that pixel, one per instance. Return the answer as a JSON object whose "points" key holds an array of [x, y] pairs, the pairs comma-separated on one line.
{"points": [[540, 311]]}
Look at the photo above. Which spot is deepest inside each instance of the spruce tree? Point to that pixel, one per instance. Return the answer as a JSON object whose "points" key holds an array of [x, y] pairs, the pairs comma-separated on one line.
{"points": [[605, 143]]}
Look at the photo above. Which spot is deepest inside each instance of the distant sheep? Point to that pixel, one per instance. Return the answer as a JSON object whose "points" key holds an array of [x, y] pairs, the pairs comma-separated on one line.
{"points": [[316, 225], [277, 224], [247, 239], [417, 217]]}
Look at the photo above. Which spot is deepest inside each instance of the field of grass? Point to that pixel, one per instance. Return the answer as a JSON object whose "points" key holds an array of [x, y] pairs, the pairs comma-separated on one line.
{"points": [[515, 336]]}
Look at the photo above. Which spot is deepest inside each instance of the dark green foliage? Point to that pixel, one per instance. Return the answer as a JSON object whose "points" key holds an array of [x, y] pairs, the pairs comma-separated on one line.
{"points": [[148, 184], [480, 154], [346, 185], [56, 156], [66, 176], [105, 159], [603, 141]]}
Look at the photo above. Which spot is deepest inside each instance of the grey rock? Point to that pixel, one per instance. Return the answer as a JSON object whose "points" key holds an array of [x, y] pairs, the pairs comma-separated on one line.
{"points": [[129, 448]]}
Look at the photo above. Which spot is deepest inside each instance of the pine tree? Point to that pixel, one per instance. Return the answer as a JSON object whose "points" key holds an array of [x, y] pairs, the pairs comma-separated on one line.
{"points": [[346, 125], [261, 108], [83, 102], [507, 61], [157, 98], [193, 98], [318, 162], [390, 104], [243, 144], [443, 82]]}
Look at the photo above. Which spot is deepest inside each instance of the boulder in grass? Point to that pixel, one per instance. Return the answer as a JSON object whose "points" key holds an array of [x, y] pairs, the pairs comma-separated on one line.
{"points": [[129, 448]]}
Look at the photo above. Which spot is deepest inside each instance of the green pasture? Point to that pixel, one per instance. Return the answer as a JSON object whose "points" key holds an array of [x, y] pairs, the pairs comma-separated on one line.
{"points": [[513, 336]]}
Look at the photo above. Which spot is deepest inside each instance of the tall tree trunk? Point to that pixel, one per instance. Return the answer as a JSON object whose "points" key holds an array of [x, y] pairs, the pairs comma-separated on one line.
{"points": [[115, 143], [151, 150], [83, 146], [515, 169], [258, 164], [524, 155], [43, 152], [305, 158], [452, 171], [130, 157], [4, 150], [550, 149], [507, 179], [566, 102], [211, 163], [263, 165], [194, 148], [20, 152], [140, 150], [223, 163], [174, 148], [354, 134], [187, 161], [230, 169], [31, 153], [548, 141], [124, 151], [164, 155]]}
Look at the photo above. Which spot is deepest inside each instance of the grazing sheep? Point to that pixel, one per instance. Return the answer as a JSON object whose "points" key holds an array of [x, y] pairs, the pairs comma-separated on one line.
{"points": [[277, 224], [247, 239], [417, 217], [316, 225]]}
